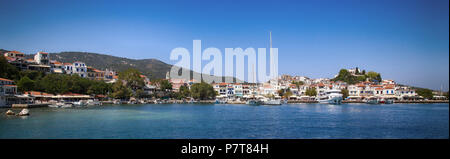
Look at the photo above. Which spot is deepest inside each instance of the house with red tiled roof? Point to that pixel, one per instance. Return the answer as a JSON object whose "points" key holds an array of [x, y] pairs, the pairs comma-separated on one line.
{"points": [[15, 54]]}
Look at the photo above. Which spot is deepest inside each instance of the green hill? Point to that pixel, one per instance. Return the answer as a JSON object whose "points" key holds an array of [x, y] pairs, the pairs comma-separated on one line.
{"points": [[152, 68]]}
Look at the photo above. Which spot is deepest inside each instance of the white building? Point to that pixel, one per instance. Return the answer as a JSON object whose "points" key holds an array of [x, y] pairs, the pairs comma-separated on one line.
{"points": [[56, 67], [7, 90], [78, 68], [42, 58]]}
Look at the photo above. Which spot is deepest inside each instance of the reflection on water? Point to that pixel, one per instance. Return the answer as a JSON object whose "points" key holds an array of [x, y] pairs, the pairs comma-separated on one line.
{"points": [[231, 121]]}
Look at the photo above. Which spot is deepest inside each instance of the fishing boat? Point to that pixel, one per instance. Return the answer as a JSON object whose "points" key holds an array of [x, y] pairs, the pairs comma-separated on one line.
{"points": [[271, 101], [218, 101], [93, 102], [80, 103], [61, 104], [372, 100], [253, 102], [330, 97]]}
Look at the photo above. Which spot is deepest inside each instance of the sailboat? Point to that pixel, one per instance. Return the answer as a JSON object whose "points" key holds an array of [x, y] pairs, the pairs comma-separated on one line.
{"points": [[271, 101]]}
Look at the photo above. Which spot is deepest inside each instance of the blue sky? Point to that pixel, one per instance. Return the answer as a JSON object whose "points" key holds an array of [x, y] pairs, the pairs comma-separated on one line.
{"points": [[404, 40]]}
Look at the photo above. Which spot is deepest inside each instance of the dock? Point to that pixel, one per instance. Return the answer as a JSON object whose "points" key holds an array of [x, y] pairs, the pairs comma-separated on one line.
{"points": [[29, 105]]}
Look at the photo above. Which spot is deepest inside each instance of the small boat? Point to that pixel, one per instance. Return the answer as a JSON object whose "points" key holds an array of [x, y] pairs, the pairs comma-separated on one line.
{"points": [[116, 102], [61, 105], [221, 101], [389, 101], [93, 102], [80, 103], [272, 102], [253, 102], [386, 101], [157, 101], [372, 101]]}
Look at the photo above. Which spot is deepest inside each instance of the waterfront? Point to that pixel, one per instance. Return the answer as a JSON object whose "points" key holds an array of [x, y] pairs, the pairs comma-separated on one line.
{"points": [[231, 121]]}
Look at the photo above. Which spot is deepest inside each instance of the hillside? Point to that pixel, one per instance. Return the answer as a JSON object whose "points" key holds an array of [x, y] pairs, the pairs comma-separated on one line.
{"points": [[152, 68]]}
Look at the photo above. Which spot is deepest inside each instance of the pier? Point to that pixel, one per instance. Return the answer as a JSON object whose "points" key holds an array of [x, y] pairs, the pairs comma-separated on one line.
{"points": [[29, 105]]}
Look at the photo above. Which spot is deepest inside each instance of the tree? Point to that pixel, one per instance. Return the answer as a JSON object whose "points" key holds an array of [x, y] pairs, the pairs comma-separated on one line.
{"points": [[25, 84], [165, 85], [184, 92], [425, 93], [298, 84], [346, 76], [287, 94], [7, 70], [33, 75], [120, 91], [140, 93], [99, 87], [202, 91], [311, 92], [373, 76], [344, 93], [132, 78]]}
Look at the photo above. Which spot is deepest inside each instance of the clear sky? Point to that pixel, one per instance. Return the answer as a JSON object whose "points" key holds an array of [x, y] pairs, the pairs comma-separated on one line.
{"points": [[404, 40]]}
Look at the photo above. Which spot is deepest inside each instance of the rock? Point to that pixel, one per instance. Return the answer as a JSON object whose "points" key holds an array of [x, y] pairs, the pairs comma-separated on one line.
{"points": [[24, 112], [9, 112]]}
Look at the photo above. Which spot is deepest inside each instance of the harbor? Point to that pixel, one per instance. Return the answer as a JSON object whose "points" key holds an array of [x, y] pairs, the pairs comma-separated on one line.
{"points": [[200, 121]]}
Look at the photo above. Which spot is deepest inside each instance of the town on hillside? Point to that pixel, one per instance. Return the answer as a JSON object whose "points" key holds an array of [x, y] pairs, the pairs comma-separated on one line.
{"points": [[44, 82]]}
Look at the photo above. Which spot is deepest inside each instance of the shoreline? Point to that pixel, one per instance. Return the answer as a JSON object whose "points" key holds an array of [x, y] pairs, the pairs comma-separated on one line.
{"points": [[230, 103]]}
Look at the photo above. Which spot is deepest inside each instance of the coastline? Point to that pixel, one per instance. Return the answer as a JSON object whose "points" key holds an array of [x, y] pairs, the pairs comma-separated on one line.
{"points": [[231, 102]]}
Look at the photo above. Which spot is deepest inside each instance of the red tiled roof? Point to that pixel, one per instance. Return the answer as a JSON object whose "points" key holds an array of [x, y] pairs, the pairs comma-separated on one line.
{"points": [[95, 70], [35, 93], [389, 87], [56, 62], [4, 79], [10, 58], [71, 94], [10, 85], [15, 52]]}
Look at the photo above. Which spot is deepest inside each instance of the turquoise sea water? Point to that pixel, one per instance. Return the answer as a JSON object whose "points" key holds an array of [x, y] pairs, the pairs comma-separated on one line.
{"points": [[231, 121]]}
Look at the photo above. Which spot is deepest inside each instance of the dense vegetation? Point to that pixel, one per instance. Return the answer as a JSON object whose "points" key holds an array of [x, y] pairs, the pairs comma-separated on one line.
{"points": [[311, 92], [202, 91], [7, 70], [425, 93], [347, 77]]}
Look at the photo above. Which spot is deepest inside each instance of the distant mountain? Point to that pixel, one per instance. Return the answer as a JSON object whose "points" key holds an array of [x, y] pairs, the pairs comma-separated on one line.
{"points": [[152, 68]]}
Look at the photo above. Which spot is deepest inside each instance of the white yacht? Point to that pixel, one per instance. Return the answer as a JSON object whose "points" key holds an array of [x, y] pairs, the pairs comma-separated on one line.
{"points": [[93, 102], [80, 103], [330, 97], [61, 104], [267, 101]]}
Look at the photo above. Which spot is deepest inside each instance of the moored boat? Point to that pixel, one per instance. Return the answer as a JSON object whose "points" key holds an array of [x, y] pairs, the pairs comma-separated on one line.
{"points": [[80, 103], [330, 97], [272, 102], [254, 102], [93, 102], [372, 101]]}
